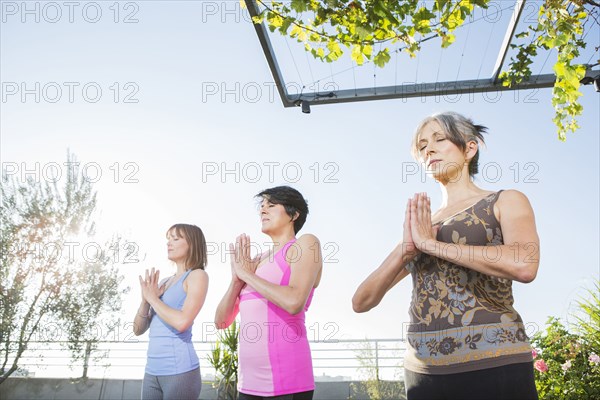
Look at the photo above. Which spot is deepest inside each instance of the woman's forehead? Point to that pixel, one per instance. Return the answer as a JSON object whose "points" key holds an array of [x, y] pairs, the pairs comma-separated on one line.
{"points": [[265, 199], [174, 232], [429, 129]]}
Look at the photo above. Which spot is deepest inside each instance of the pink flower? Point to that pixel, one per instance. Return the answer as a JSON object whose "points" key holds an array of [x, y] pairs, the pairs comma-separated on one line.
{"points": [[540, 365], [534, 353], [566, 366], [594, 358]]}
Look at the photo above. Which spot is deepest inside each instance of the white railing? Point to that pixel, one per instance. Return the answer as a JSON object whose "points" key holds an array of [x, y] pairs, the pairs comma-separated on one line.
{"points": [[332, 360]]}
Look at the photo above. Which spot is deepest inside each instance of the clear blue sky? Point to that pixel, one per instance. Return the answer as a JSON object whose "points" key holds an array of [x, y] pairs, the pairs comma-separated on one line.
{"points": [[173, 145]]}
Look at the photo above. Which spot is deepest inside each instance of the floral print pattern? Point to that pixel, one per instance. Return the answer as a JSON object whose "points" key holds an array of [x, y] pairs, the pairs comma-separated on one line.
{"points": [[459, 315]]}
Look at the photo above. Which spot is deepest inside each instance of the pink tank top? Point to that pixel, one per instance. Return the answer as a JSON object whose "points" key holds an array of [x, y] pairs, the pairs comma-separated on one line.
{"points": [[274, 355]]}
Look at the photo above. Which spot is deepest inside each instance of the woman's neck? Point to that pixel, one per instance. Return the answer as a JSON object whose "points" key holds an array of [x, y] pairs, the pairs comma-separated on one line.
{"points": [[459, 191], [280, 239], [180, 268]]}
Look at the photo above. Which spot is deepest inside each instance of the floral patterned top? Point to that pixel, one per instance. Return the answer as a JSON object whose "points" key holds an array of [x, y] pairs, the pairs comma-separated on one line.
{"points": [[463, 320]]}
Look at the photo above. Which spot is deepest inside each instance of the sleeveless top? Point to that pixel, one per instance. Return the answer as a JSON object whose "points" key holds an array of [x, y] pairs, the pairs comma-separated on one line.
{"points": [[462, 320], [171, 352], [274, 354]]}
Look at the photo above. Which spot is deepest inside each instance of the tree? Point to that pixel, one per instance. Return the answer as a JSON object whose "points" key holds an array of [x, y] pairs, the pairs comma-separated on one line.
{"points": [[327, 27], [91, 306], [42, 281]]}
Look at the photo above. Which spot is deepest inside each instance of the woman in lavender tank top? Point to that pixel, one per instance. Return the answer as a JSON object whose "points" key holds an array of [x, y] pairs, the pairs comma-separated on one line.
{"points": [[168, 310], [271, 293], [465, 339]]}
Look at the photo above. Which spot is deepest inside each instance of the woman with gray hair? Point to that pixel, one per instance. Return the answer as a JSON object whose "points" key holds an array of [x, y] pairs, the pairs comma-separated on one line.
{"points": [[465, 339]]}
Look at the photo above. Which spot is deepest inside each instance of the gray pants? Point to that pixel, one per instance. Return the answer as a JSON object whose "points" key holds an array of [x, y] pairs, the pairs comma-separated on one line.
{"points": [[184, 386]]}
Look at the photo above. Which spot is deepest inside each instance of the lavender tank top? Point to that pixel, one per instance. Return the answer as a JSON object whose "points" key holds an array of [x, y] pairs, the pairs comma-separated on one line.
{"points": [[171, 352]]}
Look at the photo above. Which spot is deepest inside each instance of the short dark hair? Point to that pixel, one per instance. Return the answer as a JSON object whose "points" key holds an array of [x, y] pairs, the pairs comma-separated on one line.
{"points": [[459, 130], [196, 256], [291, 199]]}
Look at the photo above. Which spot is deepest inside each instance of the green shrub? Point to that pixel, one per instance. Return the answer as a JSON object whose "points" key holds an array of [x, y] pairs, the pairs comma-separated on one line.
{"points": [[567, 363], [224, 359]]}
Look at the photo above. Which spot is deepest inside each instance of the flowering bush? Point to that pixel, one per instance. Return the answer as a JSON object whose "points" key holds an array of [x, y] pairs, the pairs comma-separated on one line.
{"points": [[567, 364]]}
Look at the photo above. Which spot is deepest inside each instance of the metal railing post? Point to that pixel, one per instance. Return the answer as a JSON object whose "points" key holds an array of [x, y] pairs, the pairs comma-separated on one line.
{"points": [[377, 360]]}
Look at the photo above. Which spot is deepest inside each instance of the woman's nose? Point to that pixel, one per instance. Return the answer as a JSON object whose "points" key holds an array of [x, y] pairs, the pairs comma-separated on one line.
{"points": [[429, 148]]}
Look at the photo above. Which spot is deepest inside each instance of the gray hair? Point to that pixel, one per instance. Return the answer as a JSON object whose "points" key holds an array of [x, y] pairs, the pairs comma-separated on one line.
{"points": [[458, 129]]}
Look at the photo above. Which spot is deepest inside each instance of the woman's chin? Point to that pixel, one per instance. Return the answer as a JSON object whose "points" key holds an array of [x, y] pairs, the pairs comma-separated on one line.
{"points": [[442, 176], [173, 259], [434, 174]]}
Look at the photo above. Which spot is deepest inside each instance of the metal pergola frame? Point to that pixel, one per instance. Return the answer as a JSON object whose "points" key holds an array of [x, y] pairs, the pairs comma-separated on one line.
{"points": [[491, 84]]}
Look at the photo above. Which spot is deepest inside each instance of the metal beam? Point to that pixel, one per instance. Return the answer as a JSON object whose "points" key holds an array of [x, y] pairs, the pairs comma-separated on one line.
{"points": [[427, 89], [265, 42], [418, 90], [510, 32]]}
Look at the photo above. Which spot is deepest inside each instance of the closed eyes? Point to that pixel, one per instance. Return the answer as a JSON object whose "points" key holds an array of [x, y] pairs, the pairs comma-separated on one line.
{"points": [[425, 145]]}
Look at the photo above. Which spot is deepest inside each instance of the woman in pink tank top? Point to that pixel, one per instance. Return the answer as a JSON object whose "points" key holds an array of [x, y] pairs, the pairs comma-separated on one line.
{"points": [[271, 292]]}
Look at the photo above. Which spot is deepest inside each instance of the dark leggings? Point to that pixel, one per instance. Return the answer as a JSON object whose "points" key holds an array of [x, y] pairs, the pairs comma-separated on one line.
{"points": [[514, 381], [292, 396]]}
